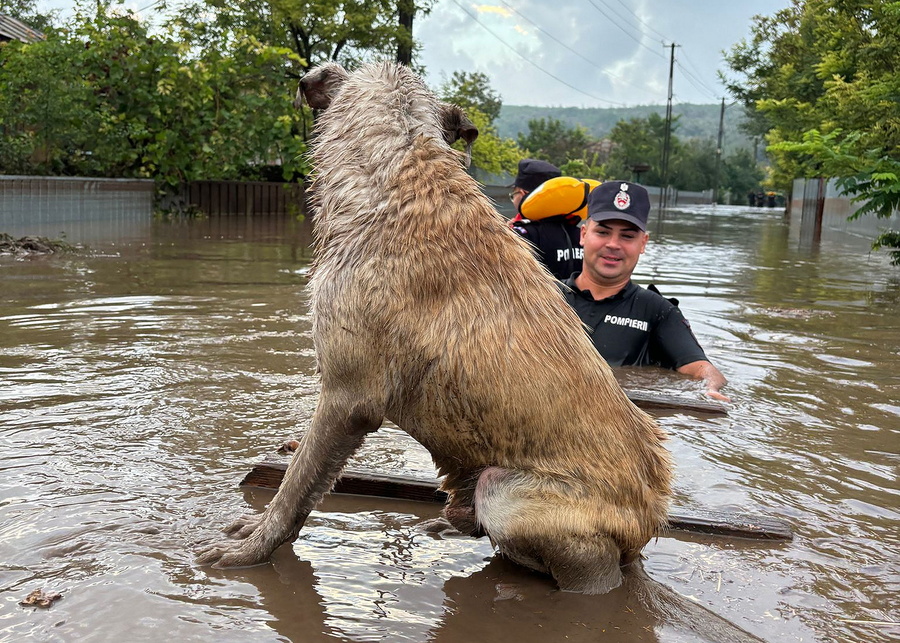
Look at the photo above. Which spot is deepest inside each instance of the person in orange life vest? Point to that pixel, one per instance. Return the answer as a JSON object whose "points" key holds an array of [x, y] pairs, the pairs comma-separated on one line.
{"points": [[630, 325], [555, 237]]}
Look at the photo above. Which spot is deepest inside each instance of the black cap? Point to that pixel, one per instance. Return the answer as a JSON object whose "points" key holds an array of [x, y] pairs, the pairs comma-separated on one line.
{"points": [[620, 200], [533, 172]]}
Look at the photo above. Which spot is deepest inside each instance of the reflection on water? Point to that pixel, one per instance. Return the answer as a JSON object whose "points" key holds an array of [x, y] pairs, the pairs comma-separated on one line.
{"points": [[140, 381]]}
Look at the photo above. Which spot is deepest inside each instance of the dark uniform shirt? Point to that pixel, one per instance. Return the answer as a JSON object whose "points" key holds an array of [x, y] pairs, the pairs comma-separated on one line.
{"points": [[557, 241], [635, 327]]}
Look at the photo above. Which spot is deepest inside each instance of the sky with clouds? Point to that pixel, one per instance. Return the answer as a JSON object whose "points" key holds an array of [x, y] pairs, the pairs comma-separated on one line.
{"points": [[582, 53], [588, 53]]}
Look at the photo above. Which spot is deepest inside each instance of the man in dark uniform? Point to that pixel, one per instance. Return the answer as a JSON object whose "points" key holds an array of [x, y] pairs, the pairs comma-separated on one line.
{"points": [[555, 238], [628, 324]]}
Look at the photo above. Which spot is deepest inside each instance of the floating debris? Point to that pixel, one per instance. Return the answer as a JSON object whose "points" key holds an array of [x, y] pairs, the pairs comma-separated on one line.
{"points": [[32, 245], [39, 598], [795, 313]]}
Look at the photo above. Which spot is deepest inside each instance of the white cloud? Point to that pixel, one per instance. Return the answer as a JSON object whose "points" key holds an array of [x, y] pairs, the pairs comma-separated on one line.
{"points": [[587, 52]]}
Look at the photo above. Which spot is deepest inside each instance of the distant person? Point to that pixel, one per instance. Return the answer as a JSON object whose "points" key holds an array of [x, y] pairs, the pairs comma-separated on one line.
{"points": [[629, 325], [554, 233], [751, 198], [531, 173]]}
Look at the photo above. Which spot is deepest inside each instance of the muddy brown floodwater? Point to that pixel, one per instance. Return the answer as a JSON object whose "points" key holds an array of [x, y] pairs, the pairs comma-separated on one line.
{"points": [[141, 379]]}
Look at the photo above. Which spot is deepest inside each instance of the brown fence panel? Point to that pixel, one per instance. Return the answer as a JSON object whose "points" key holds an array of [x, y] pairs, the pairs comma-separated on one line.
{"points": [[254, 198]]}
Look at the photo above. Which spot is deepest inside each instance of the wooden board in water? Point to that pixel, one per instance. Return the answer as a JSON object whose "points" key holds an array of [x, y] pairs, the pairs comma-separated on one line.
{"points": [[650, 400], [269, 473]]}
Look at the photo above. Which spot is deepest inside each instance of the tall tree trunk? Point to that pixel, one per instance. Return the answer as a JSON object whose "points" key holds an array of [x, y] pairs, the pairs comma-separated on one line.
{"points": [[406, 10]]}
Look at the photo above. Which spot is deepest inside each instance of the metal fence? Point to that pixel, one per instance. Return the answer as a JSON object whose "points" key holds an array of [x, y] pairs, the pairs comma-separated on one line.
{"points": [[249, 198], [75, 208]]}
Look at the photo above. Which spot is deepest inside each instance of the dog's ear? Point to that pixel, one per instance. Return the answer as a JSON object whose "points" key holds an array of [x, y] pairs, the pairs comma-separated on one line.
{"points": [[457, 125], [320, 85]]}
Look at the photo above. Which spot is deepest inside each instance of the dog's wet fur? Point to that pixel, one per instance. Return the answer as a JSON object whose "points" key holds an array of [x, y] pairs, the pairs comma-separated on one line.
{"points": [[428, 311]]}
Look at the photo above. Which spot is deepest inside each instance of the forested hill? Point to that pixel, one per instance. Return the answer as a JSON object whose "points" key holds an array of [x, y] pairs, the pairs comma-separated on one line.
{"points": [[697, 121]]}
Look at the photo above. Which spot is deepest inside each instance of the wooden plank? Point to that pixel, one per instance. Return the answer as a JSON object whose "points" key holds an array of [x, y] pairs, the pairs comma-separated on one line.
{"points": [[650, 400], [269, 473]]}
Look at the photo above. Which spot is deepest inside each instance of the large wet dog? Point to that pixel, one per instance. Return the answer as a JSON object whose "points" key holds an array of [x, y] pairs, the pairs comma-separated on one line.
{"points": [[430, 312]]}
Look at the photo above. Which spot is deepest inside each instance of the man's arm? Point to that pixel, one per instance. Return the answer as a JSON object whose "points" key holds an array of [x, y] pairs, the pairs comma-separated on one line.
{"points": [[703, 370]]}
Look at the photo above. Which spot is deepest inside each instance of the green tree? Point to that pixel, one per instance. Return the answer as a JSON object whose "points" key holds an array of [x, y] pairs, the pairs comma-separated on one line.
{"points": [[490, 152], [741, 174], [639, 141], [317, 31], [343, 31], [584, 169], [549, 139], [822, 76], [694, 165], [104, 98], [27, 11], [472, 90]]}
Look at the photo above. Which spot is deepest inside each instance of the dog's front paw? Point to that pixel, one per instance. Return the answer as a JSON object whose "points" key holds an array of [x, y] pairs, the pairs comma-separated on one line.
{"points": [[233, 554]]}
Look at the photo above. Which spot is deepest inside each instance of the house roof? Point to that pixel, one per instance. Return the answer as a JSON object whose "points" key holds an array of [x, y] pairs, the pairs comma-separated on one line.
{"points": [[12, 29]]}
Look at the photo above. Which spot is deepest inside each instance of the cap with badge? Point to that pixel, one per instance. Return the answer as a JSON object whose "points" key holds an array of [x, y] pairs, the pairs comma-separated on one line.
{"points": [[620, 200], [533, 172]]}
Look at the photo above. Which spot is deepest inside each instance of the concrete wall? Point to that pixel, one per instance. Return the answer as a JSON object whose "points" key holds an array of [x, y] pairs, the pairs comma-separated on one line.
{"points": [[819, 212]]}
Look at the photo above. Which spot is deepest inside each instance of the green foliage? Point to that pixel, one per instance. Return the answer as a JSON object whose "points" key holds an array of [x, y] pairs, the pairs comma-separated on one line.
{"points": [[344, 31], [27, 12], [472, 90], [694, 165], [105, 98], [490, 152], [891, 240], [640, 141], [822, 77], [869, 174], [740, 174], [583, 169], [550, 140]]}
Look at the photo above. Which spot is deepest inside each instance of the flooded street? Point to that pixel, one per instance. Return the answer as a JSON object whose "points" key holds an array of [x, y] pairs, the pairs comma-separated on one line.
{"points": [[141, 379]]}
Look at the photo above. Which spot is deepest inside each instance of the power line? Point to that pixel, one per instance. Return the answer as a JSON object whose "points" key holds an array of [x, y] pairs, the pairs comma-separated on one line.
{"points": [[615, 21], [538, 67], [629, 10], [698, 85], [697, 73], [693, 78], [574, 51], [150, 6]]}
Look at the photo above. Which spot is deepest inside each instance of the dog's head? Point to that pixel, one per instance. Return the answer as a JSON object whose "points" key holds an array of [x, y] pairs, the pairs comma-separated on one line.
{"points": [[321, 84]]}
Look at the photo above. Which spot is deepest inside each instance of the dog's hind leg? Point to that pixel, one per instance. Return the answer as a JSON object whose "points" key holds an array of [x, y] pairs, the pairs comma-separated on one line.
{"points": [[528, 521]]}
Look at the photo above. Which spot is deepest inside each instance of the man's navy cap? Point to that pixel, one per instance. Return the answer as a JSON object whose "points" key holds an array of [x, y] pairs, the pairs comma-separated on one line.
{"points": [[533, 172], [620, 200]]}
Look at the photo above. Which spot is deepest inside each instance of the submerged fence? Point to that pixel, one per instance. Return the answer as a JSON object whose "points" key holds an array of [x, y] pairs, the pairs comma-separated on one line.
{"points": [[81, 209], [75, 208], [249, 198], [819, 211]]}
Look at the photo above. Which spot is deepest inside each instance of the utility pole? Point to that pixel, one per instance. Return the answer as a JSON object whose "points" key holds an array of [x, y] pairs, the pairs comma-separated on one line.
{"points": [[664, 189], [715, 198]]}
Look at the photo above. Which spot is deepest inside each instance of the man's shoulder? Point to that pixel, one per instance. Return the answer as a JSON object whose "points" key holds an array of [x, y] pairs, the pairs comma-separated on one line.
{"points": [[567, 288], [522, 227], [649, 296]]}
